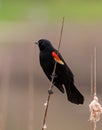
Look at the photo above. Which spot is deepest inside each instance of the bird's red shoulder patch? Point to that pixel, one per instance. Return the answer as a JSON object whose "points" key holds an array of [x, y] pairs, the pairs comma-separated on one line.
{"points": [[56, 58]]}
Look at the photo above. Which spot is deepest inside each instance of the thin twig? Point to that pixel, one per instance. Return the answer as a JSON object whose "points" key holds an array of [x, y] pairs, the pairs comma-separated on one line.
{"points": [[51, 86]]}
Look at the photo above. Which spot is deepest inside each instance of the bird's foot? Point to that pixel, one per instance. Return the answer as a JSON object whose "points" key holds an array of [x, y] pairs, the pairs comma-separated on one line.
{"points": [[53, 75], [50, 91]]}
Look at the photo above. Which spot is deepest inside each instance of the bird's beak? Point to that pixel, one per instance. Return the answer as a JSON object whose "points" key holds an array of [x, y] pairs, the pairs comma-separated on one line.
{"points": [[37, 43]]}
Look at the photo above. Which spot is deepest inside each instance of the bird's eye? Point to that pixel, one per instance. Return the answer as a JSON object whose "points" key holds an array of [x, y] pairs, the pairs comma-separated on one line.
{"points": [[41, 46]]}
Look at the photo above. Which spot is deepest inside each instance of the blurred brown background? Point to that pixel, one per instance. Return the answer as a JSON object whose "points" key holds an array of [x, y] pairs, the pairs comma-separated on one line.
{"points": [[23, 85]]}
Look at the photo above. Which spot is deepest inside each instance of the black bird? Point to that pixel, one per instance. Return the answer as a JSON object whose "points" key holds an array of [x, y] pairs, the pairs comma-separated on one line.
{"points": [[64, 76]]}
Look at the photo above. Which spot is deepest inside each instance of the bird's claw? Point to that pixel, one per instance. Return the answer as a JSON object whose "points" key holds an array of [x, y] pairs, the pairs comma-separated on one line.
{"points": [[53, 75], [50, 91]]}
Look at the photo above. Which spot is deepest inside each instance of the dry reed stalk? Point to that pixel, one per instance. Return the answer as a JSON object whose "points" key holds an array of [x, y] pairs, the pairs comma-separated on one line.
{"points": [[51, 85], [94, 106]]}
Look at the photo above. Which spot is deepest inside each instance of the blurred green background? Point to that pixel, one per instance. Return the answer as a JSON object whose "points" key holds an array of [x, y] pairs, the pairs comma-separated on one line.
{"points": [[23, 86], [24, 10]]}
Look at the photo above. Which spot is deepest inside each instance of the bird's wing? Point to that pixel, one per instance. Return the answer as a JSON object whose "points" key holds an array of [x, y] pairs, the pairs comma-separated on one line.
{"points": [[62, 64], [57, 58]]}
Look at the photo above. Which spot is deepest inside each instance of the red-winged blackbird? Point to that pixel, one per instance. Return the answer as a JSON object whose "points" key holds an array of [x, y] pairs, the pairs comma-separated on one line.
{"points": [[63, 75]]}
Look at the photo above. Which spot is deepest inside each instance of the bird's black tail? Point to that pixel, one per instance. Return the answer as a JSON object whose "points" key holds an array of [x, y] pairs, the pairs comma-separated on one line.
{"points": [[73, 94]]}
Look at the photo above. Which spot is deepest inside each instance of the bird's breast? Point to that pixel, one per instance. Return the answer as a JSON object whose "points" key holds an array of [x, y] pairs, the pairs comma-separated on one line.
{"points": [[47, 63]]}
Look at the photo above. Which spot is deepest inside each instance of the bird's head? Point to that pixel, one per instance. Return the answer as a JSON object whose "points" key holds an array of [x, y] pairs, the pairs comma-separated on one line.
{"points": [[43, 44]]}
